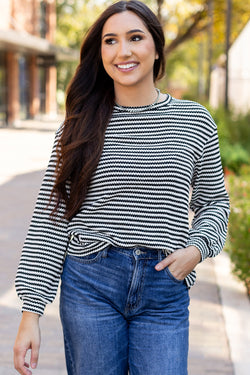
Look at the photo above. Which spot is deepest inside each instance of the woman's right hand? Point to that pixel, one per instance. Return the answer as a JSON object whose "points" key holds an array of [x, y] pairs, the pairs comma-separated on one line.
{"points": [[28, 337]]}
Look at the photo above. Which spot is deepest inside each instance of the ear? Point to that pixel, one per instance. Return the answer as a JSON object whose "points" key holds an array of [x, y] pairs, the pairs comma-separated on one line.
{"points": [[156, 56]]}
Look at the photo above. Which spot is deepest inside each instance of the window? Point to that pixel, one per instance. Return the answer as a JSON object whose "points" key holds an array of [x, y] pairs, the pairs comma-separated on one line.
{"points": [[43, 19], [3, 89], [23, 87]]}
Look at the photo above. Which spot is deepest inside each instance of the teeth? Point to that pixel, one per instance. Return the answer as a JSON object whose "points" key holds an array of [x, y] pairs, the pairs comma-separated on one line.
{"points": [[126, 66]]}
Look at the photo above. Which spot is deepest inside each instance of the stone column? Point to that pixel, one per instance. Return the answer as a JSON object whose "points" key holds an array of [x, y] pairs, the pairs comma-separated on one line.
{"points": [[13, 106], [51, 20], [51, 104], [51, 76], [34, 87]]}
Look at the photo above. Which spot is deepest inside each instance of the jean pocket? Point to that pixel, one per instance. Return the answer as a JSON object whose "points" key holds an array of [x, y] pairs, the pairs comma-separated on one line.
{"points": [[171, 276], [86, 259]]}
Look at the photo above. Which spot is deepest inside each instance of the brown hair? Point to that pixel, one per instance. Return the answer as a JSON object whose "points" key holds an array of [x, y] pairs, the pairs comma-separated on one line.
{"points": [[89, 105]]}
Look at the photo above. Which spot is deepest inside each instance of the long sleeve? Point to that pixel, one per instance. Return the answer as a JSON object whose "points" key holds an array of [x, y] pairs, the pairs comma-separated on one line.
{"points": [[209, 201], [44, 249]]}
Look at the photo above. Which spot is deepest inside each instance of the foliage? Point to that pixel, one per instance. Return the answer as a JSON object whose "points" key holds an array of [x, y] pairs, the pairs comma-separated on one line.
{"points": [[238, 244], [240, 17], [234, 136], [187, 31], [185, 25], [233, 156], [183, 20], [232, 127], [74, 17], [182, 72]]}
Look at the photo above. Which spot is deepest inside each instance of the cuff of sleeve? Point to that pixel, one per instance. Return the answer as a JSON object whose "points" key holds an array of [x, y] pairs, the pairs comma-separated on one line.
{"points": [[201, 246], [34, 306]]}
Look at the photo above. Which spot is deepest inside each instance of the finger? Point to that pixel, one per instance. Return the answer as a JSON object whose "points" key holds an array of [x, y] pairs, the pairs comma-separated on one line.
{"points": [[19, 358], [164, 263], [34, 357], [25, 371], [22, 368]]}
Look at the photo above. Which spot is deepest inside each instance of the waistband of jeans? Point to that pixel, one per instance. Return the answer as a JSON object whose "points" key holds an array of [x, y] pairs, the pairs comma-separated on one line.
{"points": [[140, 252]]}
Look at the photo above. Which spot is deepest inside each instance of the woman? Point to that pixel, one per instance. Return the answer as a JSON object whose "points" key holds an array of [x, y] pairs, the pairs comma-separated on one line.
{"points": [[112, 215]]}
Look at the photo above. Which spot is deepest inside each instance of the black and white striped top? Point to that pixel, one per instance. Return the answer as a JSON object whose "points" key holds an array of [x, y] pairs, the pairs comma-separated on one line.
{"points": [[138, 196]]}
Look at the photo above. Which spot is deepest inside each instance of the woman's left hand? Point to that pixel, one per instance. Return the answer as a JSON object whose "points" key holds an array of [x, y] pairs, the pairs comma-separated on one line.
{"points": [[181, 262]]}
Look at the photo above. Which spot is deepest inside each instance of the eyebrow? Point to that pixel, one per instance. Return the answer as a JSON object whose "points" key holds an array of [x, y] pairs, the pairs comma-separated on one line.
{"points": [[129, 32]]}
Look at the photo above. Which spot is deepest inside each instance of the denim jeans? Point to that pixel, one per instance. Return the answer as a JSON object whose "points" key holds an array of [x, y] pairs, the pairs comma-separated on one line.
{"points": [[119, 314]]}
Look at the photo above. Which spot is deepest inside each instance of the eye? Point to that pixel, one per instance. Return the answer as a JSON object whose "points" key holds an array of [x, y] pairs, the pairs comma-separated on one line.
{"points": [[136, 38], [109, 41]]}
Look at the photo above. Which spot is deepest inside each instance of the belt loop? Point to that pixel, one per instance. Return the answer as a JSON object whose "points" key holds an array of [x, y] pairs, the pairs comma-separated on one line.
{"points": [[105, 252], [160, 255]]}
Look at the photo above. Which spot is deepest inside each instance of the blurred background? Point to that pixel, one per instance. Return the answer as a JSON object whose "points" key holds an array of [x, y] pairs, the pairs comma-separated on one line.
{"points": [[208, 60]]}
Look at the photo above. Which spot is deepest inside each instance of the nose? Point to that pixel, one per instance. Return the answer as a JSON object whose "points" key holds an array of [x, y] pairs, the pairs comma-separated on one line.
{"points": [[124, 49]]}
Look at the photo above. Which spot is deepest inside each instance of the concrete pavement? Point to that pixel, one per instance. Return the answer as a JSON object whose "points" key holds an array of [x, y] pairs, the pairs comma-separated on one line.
{"points": [[216, 299]]}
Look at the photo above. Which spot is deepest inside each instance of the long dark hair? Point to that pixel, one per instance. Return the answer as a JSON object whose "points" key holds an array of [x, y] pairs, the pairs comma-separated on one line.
{"points": [[89, 105]]}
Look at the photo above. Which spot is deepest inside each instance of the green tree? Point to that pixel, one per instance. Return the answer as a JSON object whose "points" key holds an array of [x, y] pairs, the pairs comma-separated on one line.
{"points": [[185, 25], [188, 29], [183, 20], [74, 17]]}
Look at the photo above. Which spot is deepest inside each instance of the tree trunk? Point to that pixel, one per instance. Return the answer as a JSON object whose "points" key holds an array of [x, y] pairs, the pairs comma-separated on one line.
{"points": [[228, 32], [209, 46], [159, 14]]}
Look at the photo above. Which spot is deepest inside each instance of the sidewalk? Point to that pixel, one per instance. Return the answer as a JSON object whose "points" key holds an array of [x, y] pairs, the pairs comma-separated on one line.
{"points": [[214, 339]]}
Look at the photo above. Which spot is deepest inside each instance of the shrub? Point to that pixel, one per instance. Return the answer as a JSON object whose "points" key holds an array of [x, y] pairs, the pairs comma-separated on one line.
{"points": [[233, 156], [234, 136], [244, 170], [234, 128], [238, 244]]}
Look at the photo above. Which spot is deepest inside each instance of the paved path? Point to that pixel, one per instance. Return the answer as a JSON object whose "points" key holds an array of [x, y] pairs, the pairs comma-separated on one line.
{"points": [[24, 154]]}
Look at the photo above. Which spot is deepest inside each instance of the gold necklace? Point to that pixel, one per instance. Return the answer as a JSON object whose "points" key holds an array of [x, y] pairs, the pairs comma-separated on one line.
{"points": [[141, 108]]}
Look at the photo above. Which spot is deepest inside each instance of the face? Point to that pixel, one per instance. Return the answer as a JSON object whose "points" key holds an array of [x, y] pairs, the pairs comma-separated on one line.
{"points": [[128, 50]]}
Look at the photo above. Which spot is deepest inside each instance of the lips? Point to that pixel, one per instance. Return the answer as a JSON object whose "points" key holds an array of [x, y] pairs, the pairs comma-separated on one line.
{"points": [[127, 66]]}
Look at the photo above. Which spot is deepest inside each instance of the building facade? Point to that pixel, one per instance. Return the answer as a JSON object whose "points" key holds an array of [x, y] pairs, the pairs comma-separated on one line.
{"points": [[239, 72], [238, 76], [28, 58]]}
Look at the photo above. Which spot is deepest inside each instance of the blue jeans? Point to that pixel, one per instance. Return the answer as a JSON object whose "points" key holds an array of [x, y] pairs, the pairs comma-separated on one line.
{"points": [[119, 314]]}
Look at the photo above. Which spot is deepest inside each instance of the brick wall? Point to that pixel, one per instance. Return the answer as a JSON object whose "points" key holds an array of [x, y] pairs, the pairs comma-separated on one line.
{"points": [[5, 6], [24, 15], [27, 16]]}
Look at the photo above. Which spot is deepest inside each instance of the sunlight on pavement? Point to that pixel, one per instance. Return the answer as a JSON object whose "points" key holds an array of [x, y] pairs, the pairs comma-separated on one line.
{"points": [[10, 300], [23, 152]]}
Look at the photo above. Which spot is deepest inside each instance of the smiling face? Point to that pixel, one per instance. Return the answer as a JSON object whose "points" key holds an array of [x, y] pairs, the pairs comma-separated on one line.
{"points": [[128, 51]]}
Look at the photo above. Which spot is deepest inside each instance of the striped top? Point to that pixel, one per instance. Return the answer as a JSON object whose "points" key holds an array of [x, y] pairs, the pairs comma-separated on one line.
{"points": [[139, 195]]}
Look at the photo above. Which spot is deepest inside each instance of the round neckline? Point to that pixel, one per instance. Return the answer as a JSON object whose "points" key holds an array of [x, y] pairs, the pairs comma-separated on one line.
{"points": [[139, 109]]}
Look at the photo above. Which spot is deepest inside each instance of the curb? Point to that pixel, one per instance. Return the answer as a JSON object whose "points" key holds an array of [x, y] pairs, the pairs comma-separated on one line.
{"points": [[236, 312]]}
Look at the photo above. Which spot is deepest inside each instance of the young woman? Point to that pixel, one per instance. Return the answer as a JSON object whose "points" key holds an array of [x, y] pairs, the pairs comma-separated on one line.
{"points": [[111, 218]]}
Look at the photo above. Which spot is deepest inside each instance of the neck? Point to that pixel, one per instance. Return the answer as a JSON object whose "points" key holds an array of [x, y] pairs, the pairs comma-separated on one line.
{"points": [[135, 97]]}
